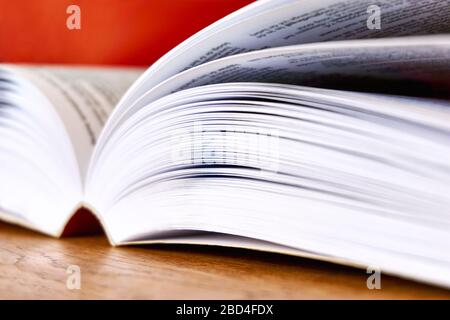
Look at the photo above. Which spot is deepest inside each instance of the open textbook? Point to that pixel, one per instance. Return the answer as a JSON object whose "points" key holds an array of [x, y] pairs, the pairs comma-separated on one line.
{"points": [[287, 126]]}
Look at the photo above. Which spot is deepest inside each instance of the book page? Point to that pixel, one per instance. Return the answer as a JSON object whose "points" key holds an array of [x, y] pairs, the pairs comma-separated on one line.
{"points": [[297, 22], [340, 64], [318, 21], [83, 98]]}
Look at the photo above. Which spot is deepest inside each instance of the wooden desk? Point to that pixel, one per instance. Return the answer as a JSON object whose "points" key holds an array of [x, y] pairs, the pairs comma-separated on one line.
{"points": [[33, 266]]}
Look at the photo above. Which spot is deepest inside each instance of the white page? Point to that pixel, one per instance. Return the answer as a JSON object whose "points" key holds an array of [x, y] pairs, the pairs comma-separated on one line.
{"points": [[83, 97]]}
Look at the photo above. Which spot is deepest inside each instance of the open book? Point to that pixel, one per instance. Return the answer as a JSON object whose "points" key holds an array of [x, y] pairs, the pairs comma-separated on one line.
{"points": [[287, 126]]}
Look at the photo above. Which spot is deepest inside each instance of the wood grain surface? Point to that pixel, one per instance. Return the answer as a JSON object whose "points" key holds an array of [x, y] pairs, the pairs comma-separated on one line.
{"points": [[33, 266]]}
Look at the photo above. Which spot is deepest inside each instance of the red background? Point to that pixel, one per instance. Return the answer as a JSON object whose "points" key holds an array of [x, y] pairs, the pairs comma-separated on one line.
{"points": [[118, 32]]}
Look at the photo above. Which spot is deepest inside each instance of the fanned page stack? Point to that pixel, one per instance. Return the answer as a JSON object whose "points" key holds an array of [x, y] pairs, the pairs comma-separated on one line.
{"points": [[287, 126]]}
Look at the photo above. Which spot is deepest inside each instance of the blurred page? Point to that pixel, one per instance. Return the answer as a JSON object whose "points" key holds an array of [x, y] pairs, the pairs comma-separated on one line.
{"points": [[83, 98]]}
